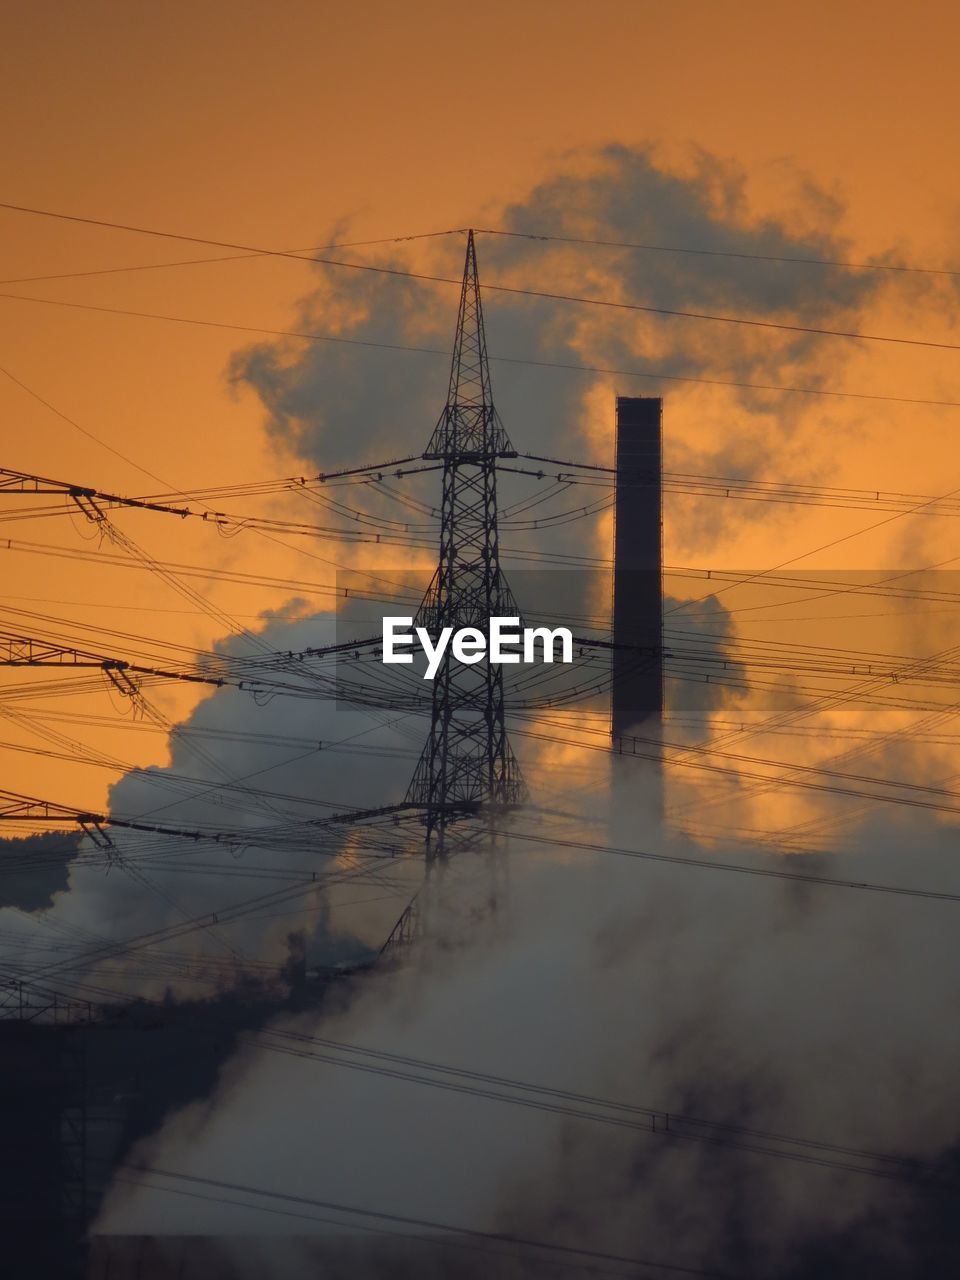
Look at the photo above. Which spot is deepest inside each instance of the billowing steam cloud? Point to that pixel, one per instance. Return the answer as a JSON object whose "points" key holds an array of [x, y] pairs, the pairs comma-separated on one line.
{"points": [[336, 403], [816, 1011], [34, 868], [812, 1011], [234, 765]]}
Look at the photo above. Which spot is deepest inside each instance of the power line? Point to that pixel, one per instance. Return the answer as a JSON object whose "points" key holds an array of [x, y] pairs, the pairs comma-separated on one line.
{"points": [[118, 535], [717, 864], [245, 249], [244, 909], [836, 542], [724, 382], [718, 253], [570, 367], [17, 805], [513, 290], [653, 1120], [201, 262], [462, 1233], [533, 236], [191, 571], [780, 492], [77, 427]]}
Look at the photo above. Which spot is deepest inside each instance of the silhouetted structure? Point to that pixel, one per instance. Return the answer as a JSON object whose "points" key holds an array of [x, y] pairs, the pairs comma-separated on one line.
{"points": [[467, 758], [80, 1085], [638, 567], [43, 1201]]}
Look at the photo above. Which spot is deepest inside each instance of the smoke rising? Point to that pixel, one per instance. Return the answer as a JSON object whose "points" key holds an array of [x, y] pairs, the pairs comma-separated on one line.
{"points": [[232, 764], [33, 869], [815, 1011], [336, 403], [807, 1010]]}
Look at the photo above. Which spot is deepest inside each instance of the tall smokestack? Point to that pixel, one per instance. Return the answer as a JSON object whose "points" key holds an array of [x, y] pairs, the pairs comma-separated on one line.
{"points": [[637, 695]]}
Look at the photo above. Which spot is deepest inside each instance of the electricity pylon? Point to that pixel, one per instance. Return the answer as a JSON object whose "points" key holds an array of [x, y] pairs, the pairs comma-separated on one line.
{"points": [[467, 757]]}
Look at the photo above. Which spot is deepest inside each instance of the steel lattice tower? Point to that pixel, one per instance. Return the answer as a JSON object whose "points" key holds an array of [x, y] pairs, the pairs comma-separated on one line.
{"points": [[467, 757]]}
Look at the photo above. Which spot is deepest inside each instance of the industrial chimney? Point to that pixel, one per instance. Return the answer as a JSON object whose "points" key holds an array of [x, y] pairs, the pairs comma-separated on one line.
{"points": [[637, 692]]}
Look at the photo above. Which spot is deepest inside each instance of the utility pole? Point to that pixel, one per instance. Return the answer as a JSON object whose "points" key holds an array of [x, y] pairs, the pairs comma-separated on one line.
{"points": [[467, 757]]}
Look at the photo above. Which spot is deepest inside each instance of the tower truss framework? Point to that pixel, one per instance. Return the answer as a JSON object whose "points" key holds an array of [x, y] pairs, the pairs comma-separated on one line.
{"points": [[467, 757]]}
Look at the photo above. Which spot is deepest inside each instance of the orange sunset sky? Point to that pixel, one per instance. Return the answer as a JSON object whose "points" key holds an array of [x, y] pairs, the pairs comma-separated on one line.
{"points": [[288, 125]]}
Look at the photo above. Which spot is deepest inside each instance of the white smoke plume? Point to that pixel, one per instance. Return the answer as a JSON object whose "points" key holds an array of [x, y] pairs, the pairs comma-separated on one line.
{"points": [[235, 766], [815, 1011]]}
